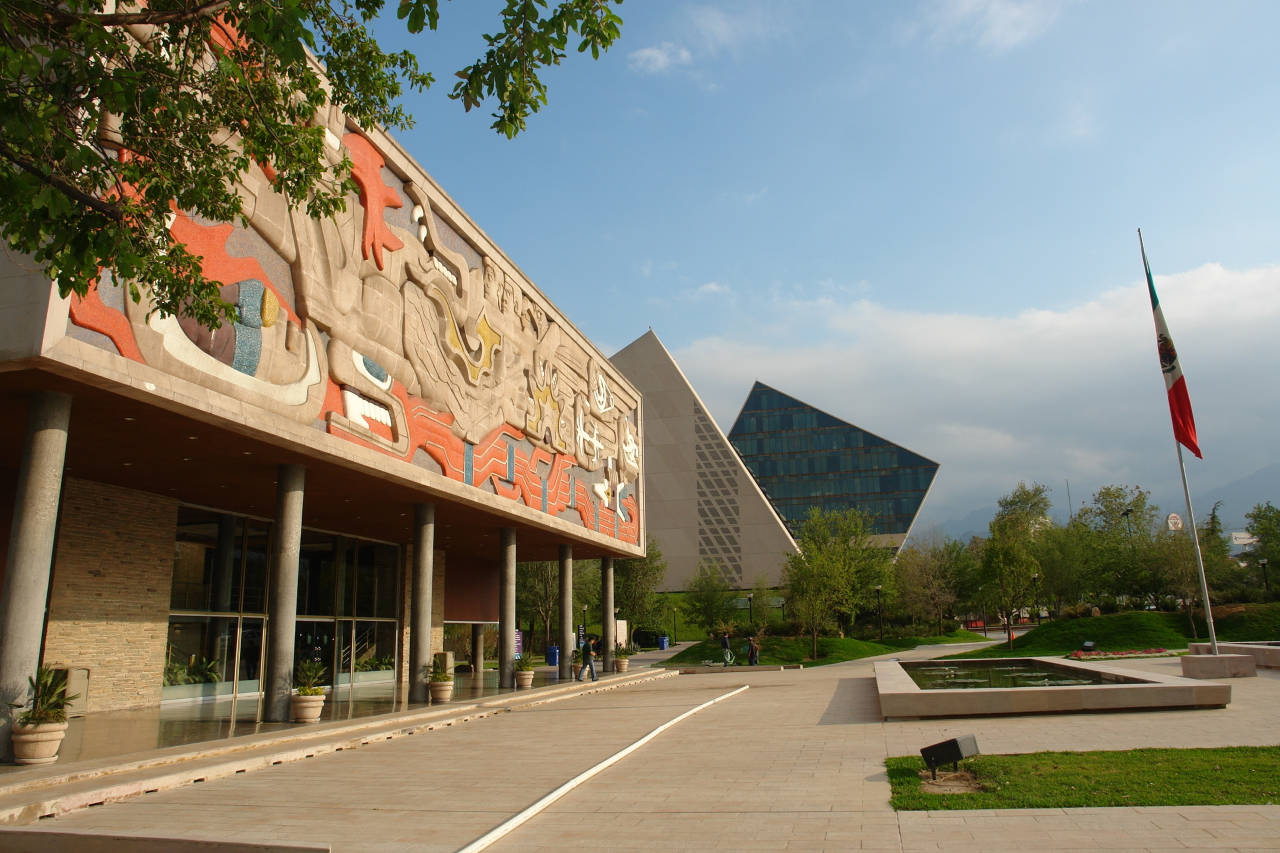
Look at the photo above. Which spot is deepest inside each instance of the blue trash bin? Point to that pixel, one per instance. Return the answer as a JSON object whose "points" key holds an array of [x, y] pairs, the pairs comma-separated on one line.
{"points": [[553, 655], [663, 642]]}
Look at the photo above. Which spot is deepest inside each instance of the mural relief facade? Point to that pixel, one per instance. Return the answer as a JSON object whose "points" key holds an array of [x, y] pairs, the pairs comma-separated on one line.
{"points": [[390, 327]]}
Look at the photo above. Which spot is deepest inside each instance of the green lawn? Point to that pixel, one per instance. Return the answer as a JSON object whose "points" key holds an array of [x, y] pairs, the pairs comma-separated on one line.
{"points": [[1238, 775], [780, 651], [1138, 629]]}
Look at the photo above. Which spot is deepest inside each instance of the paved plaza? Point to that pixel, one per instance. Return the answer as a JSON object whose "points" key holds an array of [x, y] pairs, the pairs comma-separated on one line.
{"points": [[795, 762]]}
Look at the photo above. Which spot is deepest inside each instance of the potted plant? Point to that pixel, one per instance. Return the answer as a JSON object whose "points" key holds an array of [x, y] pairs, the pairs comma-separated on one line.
{"points": [[621, 654], [576, 662], [524, 671], [440, 682], [307, 703], [38, 731]]}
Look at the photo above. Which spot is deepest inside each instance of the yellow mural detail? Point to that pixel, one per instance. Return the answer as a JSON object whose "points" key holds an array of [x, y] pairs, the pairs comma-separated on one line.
{"points": [[479, 362]]}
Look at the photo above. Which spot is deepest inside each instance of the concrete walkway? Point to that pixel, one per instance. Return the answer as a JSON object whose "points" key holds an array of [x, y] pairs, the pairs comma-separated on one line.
{"points": [[793, 763]]}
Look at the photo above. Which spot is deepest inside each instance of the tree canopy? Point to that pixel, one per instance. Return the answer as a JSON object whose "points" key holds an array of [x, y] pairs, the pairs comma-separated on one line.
{"points": [[113, 114], [837, 570], [634, 583]]}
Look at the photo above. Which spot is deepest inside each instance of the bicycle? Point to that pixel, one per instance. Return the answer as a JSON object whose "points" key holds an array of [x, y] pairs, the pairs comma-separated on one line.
{"points": [[728, 661]]}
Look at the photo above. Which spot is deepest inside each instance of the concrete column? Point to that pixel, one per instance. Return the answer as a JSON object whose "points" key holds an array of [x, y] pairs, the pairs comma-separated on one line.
{"points": [[507, 611], [30, 560], [607, 623], [282, 609], [477, 650], [567, 640], [424, 543]]}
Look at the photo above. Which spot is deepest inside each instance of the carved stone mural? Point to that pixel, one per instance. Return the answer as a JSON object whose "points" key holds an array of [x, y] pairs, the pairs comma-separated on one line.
{"points": [[395, 326]]}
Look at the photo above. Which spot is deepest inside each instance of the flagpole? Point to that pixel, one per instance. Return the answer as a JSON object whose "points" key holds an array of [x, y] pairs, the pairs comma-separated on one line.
{"points": [[1178, 441], [1195, 541]]}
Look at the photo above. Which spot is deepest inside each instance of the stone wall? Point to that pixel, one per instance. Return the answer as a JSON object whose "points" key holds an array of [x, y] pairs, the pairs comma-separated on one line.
{"points": [[109, 602]]}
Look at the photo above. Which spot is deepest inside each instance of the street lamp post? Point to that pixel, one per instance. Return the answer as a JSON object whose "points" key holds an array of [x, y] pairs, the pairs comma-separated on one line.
{"points": [[880, 611], [1266, 584], [751, 613], [1035, 594]]}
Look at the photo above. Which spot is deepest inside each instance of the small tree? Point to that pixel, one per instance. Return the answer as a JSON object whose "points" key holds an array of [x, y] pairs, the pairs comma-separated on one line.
{"points": [[836, 571], [1008, 562], [538, 594], [926, 577], [709, 601], [635, 583], [1264, 523]]}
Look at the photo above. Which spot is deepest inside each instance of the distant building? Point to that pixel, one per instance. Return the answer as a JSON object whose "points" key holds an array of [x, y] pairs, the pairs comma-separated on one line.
{"points": [[701, 502], [803, 457]]}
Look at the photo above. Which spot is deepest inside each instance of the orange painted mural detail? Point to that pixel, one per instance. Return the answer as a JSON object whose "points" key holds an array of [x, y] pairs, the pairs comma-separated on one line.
{"points": [[89, 312], [366, 170], [209, 243]]}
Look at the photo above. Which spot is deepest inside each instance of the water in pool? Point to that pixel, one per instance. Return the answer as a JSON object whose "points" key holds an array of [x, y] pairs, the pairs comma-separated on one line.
{"points": [[970, 674]]}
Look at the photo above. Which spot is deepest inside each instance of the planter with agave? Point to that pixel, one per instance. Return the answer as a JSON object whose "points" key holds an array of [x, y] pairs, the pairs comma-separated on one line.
{"points": [[308, 702], [621, 658], [524, 671], [38, 731], [440, 682]]}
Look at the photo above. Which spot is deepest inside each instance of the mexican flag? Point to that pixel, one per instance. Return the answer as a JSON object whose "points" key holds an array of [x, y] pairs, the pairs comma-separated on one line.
{"points": [[1184, 423]]}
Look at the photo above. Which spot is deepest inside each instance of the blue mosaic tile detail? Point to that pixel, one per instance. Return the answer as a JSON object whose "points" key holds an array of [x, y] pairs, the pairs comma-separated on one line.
{"points": [[468, 462], [377, 371]]}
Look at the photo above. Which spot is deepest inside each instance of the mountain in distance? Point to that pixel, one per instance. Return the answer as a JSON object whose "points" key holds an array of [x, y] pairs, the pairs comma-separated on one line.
{"points": [[1238, 497]]}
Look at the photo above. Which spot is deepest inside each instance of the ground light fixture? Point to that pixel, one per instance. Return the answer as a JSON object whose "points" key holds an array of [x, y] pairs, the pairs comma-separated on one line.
{"points": [[949, 752]]}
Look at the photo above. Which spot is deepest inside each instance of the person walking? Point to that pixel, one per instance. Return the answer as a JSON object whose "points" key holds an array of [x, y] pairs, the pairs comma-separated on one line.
{"points": [[588, 658], [753, 652], [725, 647]]}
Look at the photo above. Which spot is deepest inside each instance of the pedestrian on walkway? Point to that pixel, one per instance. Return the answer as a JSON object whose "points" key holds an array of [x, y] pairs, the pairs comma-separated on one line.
{"points": [[753, 652], [728, 652], [588, 658]]}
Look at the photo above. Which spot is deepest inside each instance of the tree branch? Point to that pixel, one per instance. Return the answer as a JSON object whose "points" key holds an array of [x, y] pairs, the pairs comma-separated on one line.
{"points": [[62, 185]]}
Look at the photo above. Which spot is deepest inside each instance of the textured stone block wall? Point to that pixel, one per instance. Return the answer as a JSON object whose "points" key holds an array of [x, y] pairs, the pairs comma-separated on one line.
{"points": [[109, 602]]}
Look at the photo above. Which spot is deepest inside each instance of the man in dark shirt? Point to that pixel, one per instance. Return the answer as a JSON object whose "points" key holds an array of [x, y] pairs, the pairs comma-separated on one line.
{"points": [[724, 646]]}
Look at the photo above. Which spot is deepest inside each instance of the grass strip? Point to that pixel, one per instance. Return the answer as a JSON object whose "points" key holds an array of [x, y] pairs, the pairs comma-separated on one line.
{"points": [[1235, 775]]}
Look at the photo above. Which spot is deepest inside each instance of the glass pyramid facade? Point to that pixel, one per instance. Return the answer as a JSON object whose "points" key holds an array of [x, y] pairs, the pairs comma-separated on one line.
{"points": [[803, 457]]}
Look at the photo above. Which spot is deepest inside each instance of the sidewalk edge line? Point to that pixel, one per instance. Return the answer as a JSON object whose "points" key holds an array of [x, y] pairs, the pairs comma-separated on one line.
{"points": [[514, 822]]}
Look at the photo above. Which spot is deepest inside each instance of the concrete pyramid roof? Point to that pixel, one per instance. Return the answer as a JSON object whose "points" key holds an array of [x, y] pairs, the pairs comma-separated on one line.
{"points": [[701, 502]]}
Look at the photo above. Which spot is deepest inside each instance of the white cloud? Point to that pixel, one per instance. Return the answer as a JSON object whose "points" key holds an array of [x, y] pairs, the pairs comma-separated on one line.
{"points": [[1050, 395], [709, 290], [659, 59], [719, 30], [996, 25], [709, 31]]}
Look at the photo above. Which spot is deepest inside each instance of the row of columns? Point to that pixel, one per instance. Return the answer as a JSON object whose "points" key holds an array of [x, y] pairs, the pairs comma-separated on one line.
{"points": [[30, 558]]}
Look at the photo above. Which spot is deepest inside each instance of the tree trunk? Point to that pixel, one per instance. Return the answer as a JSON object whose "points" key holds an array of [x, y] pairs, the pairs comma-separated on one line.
{"points": [[814, 656]]}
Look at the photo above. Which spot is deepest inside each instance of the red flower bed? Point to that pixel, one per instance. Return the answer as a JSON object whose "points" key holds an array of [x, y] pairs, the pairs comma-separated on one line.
{"points": [[1131, 653]]}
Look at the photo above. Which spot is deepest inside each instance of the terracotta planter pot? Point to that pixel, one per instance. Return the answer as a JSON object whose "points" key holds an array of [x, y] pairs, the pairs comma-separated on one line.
{"points": [[37, 744], [441, 691], [306, 709], [524, 678], [575, 668], [621, 664]]}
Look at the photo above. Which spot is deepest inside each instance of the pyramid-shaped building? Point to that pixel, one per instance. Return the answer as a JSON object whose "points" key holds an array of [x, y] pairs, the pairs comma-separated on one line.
{"points": [[803, 457], [701, 502]]}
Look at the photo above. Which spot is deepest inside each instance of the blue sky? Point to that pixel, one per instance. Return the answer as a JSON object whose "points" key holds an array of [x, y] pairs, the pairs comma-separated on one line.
{"points": [[919, 216]]}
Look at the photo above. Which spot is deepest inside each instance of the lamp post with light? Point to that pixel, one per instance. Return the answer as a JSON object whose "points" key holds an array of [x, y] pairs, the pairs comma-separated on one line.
{"points": [[1266, 584], [880, 611]]}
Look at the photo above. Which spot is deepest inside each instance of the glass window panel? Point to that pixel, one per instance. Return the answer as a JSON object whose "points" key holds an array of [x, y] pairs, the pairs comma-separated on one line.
{"points": [[199, 656], [257, 550], [316, 575]]}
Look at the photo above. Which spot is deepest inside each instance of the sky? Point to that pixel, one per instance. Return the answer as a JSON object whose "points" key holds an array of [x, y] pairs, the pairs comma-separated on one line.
{"points": [[920, 217]]}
